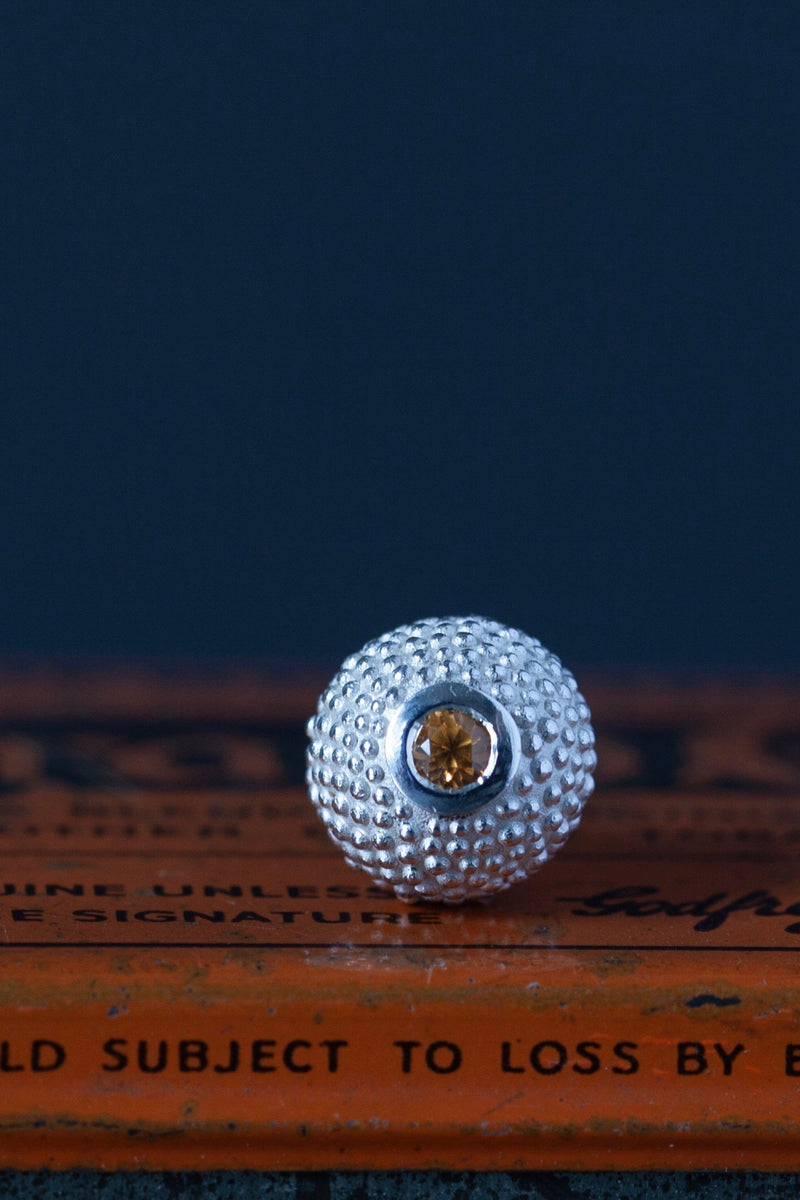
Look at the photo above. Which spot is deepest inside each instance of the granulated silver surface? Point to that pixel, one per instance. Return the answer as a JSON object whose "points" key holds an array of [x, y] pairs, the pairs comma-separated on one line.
{"points": [[451, 846]]}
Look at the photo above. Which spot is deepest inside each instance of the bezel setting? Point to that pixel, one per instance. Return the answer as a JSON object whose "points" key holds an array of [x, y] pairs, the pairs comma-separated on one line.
{"points": [[503, 756]]}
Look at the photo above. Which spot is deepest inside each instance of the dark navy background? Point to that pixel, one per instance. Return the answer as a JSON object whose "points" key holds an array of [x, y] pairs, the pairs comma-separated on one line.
{"points": [[319, 317]]}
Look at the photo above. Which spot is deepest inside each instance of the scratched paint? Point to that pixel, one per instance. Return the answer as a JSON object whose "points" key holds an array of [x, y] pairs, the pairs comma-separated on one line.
{"points": [[194, 978]]}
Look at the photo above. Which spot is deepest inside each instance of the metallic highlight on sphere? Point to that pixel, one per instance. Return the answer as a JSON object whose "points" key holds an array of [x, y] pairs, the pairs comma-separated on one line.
{"points": [[399, 771]]}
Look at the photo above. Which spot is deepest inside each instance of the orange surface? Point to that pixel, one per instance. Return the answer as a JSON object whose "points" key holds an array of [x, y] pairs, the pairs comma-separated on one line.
{"points": [[192, 977]]}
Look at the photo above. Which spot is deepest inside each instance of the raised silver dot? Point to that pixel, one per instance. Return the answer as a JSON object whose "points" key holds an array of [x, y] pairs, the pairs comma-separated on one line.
{"points": [[457, 846], [436, 864], [552, 793], [507, 806], [509, 835], [542, 769], [548, 728]]}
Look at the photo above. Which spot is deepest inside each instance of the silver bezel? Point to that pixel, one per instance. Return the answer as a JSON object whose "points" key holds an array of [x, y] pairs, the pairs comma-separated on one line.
{"points": [[505, 748]]}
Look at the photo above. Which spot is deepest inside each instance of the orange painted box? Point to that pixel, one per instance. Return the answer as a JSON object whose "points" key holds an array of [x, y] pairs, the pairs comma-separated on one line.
{"points": [[193, 977]]}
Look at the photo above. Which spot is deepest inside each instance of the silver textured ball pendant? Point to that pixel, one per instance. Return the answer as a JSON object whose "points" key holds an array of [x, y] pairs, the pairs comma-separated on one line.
{"points": [[451, 758]]}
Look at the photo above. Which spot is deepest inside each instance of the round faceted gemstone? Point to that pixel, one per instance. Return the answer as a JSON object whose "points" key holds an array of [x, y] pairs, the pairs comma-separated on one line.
{"points": [[451, 749]]}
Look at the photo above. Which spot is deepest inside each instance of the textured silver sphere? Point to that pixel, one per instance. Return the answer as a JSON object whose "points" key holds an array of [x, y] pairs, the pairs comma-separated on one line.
{"points": [[451, 758]]}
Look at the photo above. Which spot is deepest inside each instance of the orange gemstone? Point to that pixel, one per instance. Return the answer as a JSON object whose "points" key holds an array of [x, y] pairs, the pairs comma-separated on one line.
{"points": [[452, 749]]}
